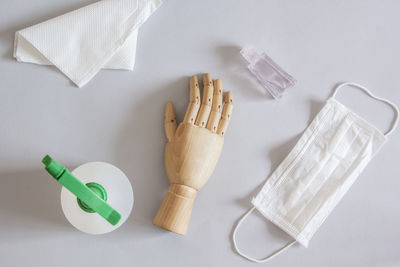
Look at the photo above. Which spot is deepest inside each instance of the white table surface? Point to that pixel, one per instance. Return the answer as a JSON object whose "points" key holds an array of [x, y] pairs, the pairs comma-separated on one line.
{"points": [[118, 118]]}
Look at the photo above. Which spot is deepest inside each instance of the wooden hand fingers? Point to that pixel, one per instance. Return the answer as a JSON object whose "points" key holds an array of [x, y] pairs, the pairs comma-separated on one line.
{"points": [[206, 101], [208, 112], [216, 108], [194, 104], [226, 113], [169, 121]]}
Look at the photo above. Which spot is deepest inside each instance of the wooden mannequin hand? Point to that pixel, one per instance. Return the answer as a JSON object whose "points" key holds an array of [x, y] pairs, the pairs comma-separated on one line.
{"points": [[193, 150]]}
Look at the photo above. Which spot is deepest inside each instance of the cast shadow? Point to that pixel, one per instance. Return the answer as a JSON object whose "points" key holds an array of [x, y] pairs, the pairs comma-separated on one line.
{"points": [[276, 156], [278, 153], [140, 152], [315, 107], [30, 200], [236, 70], [7, 35]]}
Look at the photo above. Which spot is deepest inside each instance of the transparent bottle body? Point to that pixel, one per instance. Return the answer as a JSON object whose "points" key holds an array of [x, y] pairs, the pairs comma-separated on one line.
{"points": [[268, 73]]}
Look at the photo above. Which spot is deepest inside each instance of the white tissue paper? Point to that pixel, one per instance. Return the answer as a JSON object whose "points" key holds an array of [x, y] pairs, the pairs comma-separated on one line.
{"points": [[81, 42]]}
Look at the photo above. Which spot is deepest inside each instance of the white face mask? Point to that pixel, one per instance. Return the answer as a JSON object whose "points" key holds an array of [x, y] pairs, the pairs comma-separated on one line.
{"points": [[313, 178]]}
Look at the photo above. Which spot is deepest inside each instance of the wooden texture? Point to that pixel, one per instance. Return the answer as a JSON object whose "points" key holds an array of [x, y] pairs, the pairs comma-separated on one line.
{"points": [[176, 208], [192, 151]]}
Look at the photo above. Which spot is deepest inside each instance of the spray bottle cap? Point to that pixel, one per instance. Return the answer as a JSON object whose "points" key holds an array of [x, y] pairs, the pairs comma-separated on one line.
{"points": [[250, 54], [91, 198]]}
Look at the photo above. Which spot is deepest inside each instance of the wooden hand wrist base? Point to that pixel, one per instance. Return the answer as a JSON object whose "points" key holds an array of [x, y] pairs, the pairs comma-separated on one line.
{"points": [[176, 208]]}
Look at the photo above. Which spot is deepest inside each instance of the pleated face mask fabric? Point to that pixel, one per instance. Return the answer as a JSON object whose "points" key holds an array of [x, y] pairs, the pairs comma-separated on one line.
{"points": [[81, 42], [313, 178]]}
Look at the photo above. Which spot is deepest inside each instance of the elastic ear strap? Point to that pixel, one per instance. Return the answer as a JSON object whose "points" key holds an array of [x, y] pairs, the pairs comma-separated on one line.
{"points": [[368, 92], [276, 253]]}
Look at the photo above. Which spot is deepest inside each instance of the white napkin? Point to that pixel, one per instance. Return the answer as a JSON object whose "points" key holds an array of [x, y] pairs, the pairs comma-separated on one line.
{"points": [[81, 42]]}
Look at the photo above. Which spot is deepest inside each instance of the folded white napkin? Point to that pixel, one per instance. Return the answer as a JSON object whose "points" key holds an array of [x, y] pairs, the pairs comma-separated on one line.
{"points": [[81, 42]]}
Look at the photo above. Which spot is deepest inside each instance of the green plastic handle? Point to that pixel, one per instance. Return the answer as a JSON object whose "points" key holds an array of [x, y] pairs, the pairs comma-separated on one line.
{"points": [[84, 193]]}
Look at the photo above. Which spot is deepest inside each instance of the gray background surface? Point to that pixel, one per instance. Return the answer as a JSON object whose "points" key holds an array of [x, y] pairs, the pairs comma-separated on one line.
{"points": [[118, 118]]}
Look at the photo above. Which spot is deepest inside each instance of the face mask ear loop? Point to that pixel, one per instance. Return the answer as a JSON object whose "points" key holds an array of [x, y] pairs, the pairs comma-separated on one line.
{"points": [[276, 253], [396, 119]]}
